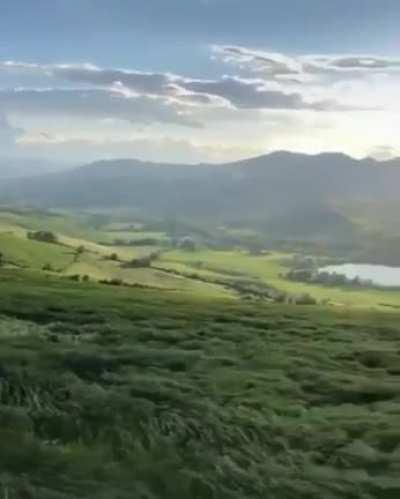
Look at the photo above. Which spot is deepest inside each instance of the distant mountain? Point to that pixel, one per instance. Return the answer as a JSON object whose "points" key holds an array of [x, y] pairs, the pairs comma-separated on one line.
{"points": [[292, 191]]}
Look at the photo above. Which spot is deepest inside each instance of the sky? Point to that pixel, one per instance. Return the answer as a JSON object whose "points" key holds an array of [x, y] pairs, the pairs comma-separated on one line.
{"points": [[194, 81]]}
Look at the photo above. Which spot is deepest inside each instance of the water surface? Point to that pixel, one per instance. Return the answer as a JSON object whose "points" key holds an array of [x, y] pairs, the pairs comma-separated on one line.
{"points": [[380, 275]]}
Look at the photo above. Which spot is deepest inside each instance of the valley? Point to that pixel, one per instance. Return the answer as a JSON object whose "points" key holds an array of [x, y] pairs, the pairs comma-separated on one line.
{"points": [[149, 258]]}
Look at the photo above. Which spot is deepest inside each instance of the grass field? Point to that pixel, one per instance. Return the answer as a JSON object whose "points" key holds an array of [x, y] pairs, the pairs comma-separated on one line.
{"points": [[174, 386], [271, 271], [28, 219], [18, 250], [201, 271], [118, 393], [100, 269]]}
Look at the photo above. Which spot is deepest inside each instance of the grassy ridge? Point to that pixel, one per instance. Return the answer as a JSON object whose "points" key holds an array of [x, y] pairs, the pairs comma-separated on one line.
{"points": [[121, 393]]}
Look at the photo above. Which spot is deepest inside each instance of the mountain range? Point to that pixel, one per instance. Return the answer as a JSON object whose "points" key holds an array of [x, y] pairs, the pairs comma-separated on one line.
{"points": [[281, 189]]}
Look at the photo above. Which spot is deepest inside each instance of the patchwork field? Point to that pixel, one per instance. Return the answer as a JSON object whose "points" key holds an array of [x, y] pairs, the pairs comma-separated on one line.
{"points": [[270, 270], [94, 261], [220, 273]]}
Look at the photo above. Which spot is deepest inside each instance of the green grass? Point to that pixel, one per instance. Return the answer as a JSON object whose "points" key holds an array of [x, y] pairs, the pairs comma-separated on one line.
{"points": [[218, 267], [120, 393], [21, 251], [101, 269], [70, 225], [178, 388], [271, 271]]}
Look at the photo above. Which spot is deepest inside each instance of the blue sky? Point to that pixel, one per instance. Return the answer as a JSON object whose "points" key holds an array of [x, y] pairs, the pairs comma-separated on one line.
{"points": [[164, 35], [228, 96]]}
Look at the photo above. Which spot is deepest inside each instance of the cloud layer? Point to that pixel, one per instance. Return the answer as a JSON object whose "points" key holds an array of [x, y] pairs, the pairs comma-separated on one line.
{"points": [[175, 91], [269, 99], [94, 103], [306, 67]]}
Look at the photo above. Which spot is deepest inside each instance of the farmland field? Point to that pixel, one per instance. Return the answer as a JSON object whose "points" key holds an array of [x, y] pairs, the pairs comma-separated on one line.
{"points": [[270, 270], [203, 270]]}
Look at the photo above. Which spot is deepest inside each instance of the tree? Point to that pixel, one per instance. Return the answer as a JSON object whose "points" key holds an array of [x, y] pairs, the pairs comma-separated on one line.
{"points": [[44, 236], [305, 299], [187, 243], [143, 261], [78, 252]]}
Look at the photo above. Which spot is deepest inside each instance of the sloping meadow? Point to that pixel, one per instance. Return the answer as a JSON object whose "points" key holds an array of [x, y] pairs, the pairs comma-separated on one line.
{"points": [[121, 393]]}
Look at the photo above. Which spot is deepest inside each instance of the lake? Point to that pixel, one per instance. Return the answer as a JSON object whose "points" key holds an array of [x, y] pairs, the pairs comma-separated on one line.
{"points": [[380, 275]]}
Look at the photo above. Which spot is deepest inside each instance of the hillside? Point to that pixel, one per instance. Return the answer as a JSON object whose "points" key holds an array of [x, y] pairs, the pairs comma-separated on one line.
{"points": [[120, 393], [205, 373], [288, 194], [102, 248]]}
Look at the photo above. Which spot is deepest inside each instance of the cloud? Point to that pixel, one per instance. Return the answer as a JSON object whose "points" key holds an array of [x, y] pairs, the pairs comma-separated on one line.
{"points": [[233, 91], [95, 103], [283, 82], [250, 94], [304, 68], [271, 63], [269, 100], [138, 82], [364, 63]]}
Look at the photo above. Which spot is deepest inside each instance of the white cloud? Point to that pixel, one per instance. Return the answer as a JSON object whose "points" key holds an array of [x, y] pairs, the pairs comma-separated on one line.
{"points": [[95, 103], [304, 68], [253, 94], [307, 103], [237, 92]]}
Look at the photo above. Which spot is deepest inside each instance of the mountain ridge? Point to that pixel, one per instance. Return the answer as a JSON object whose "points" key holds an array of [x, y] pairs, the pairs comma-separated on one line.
{"points": [[367, 160], [269, 190]]}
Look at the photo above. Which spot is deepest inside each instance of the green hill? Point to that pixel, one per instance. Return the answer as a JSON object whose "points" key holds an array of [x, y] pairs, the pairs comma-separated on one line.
{"points": [[123, 393], [22, 252]]}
